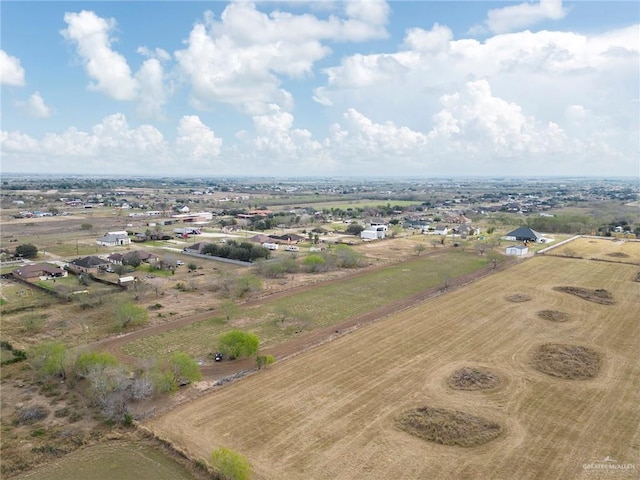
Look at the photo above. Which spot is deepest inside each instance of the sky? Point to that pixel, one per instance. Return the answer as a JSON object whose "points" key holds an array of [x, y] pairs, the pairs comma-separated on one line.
{"points": [[320, 88]]}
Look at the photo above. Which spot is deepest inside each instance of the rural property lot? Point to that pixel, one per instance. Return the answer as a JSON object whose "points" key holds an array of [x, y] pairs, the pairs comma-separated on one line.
{"points": [[330, 413]]}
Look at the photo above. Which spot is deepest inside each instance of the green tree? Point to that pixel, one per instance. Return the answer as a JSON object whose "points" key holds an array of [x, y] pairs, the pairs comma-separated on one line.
{"points": [[314, 263], [184, 368], [87, 361], [237, 343], [86, 226], [179, 369], [50, 359], [230, 465], [354, 229], [128, 314], [132, 259], [27, 250]]}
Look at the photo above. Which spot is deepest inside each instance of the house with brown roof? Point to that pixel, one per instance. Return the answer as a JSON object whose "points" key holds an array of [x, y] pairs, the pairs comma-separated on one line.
{"points": [[39, 271], [90, 264]]}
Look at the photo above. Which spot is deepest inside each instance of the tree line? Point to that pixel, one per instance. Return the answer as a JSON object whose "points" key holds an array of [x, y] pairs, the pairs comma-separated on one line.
{"points": [[243, 251]]}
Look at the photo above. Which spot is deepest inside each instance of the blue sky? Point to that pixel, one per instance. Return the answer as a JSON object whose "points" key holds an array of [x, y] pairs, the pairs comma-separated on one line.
{"points": [[321, 88]]}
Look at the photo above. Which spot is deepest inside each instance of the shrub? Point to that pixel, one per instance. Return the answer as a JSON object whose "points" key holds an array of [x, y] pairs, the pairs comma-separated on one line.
{"points": [[237, 343], [231, 465], [33, 323], [29, 415]]}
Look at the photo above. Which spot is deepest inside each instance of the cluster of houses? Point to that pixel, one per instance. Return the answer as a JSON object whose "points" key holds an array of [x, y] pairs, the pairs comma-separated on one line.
{"points": [[91, 264]]}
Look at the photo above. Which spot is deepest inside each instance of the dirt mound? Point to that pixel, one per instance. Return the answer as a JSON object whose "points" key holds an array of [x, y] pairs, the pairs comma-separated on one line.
{"points": [[518, 297], [553, 315], [617, 255], [599, 295], [448, 427], [566, 361], [473, 378]]}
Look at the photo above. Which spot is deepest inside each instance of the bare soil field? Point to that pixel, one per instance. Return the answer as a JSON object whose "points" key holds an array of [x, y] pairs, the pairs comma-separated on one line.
{"points": [[331, 412]]}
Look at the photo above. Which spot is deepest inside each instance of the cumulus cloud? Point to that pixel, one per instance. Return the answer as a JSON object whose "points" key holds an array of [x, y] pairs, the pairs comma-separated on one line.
{"points": [[476, 121], [35, 106], [113, 146], [195, 140], [242, 58], [109, 71], [153, 93], [482, 133], [11, 71], [523, 15], [435, 40]]}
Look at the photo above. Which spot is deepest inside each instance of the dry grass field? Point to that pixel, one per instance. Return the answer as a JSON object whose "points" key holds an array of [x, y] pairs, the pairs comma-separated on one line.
{"points": [[332, 412], [124, 460], [610, 249]]}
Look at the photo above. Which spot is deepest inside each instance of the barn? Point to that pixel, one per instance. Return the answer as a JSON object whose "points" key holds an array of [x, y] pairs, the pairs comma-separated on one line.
{"points": [[525, 234]]}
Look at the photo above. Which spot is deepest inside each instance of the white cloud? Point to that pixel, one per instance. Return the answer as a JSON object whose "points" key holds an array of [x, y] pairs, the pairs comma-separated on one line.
{"points": [[292, 148], [11, 71], [195, 140], [109, 69], [523, 15], [476, 122], [480, 133], [543, 72], [241, 58], [35, 106], [435, 40], [111, 146], [153, 93]]}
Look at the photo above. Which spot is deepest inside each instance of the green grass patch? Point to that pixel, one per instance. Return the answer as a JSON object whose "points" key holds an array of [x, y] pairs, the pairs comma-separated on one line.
{"points": [[145, 267], [105, 461], [277, 320], [18, 296]]}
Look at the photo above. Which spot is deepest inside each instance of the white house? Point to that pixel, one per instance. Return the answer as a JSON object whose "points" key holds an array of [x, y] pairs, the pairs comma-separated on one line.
{"points": [[114, 240], [518, 250], [374, 232], [441, 229]]}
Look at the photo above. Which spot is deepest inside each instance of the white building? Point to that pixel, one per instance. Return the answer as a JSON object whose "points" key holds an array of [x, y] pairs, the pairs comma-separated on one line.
{"points": [[374, 232], [114, 240], [518, 250]]}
